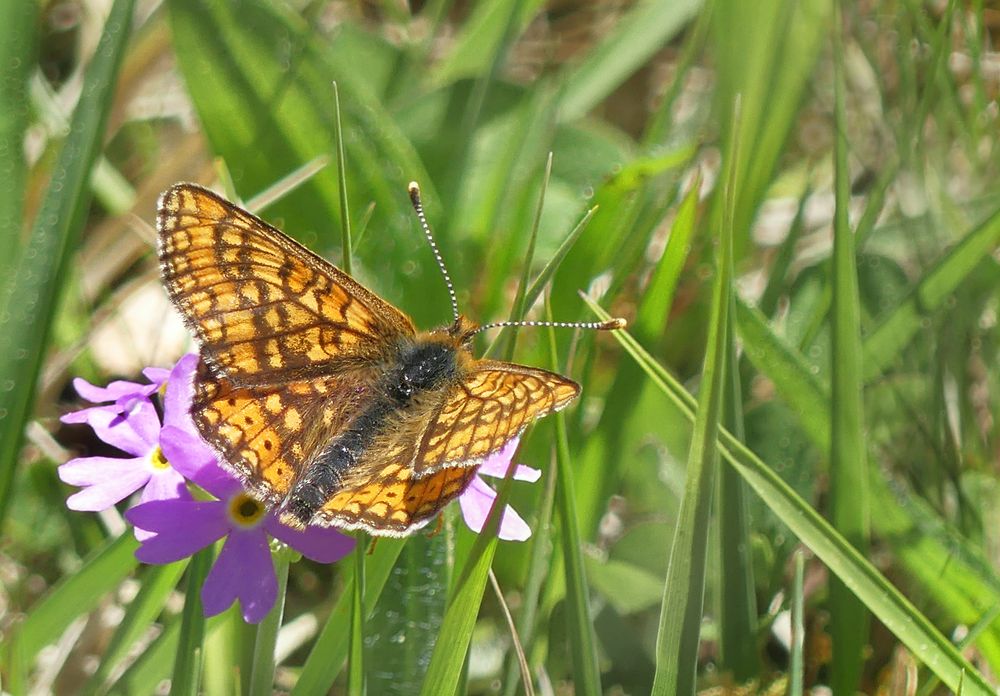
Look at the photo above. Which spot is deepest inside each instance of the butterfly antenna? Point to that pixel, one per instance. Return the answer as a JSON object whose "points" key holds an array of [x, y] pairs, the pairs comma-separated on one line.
{"points": [[609, 325], [419, 208]]}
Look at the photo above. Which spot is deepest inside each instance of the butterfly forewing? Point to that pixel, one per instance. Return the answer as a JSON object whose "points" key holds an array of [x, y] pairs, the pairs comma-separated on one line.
{"points": [[265, 309], [267, 434]]}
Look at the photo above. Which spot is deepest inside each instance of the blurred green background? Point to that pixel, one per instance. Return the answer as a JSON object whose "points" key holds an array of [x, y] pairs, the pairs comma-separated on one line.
{"points": [[794, 204]]}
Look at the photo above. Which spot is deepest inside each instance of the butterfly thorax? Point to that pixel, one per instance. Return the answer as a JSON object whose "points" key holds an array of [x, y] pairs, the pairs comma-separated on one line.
{"points": [[419, 366]]}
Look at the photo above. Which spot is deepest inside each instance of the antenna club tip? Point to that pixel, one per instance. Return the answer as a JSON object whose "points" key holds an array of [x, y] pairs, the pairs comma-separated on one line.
{"points": [[414, 188], [615, 324]]}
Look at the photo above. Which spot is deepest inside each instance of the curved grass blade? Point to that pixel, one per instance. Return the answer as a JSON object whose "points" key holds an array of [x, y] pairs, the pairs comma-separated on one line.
{"points": [[883, 345], [30, 296], [887, 603]]}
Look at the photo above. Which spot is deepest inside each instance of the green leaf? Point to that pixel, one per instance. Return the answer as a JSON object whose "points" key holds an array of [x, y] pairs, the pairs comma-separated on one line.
{"points": [[30, 296], [583, 642]]}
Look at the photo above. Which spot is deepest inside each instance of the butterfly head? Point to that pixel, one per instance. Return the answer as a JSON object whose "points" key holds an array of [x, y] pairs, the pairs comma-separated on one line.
{"points": [[463, 329]]}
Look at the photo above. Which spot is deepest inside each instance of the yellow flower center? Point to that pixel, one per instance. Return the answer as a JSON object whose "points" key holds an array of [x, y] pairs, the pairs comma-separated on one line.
{"points": [[245, 510], [158, 460]]}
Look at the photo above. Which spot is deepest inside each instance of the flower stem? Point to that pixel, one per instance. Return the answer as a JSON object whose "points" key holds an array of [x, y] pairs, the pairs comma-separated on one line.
{"points": [[355, 660], [262, 676], [187, 663]]}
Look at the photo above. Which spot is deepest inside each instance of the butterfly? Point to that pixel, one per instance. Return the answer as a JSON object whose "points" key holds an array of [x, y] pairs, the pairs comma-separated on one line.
{"points": [[323, 398]]}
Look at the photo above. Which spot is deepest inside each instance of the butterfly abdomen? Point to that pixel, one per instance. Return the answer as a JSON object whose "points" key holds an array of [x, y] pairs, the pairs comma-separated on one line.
{"points": [[419, 367]]}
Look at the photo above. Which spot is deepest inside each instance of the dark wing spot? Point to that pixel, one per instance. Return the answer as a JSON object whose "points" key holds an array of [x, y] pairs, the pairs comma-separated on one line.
{"points": [[267, 446], [248, 419], [231, 402]]}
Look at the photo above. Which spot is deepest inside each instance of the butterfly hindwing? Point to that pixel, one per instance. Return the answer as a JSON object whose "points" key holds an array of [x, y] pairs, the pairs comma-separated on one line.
{"points": [[265, 309], [392, 502]]}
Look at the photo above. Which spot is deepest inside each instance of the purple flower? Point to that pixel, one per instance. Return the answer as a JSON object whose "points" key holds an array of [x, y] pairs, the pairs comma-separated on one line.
{"points": [[244, 570], [478, 498], [130, 423]]}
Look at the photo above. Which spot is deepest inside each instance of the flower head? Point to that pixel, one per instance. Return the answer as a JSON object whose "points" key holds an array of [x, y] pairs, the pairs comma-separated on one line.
{"points": [[244, 570], [130, 423], [477, 500]]}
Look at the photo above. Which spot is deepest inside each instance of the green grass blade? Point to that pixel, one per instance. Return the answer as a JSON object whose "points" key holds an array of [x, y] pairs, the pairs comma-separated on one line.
{"points": [[330, 649], [77, 594], [796, 660], [849, 510], [30, 296], [356, 646], [188, 659], [346, 262], [645, 30], [157, 584], [651, 318], [735, 585], [894, 610], [682, 608], [18, 55], [893, 333], [583, 642], [785, 366]]}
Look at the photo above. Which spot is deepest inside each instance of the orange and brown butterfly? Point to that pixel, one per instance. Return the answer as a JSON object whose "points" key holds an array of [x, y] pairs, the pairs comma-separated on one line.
{"points": [[321, 396]]}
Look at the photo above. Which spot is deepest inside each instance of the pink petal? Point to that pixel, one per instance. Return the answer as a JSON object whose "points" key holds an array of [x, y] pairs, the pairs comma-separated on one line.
{"points": [[189, 455], [107, 481], [180, 391], [244, 570], [88, 471], [496, 464], [114, 391], [476, 502], [165, 484], [181, 528], [321, 544], [156, 375], [134, 432]]}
